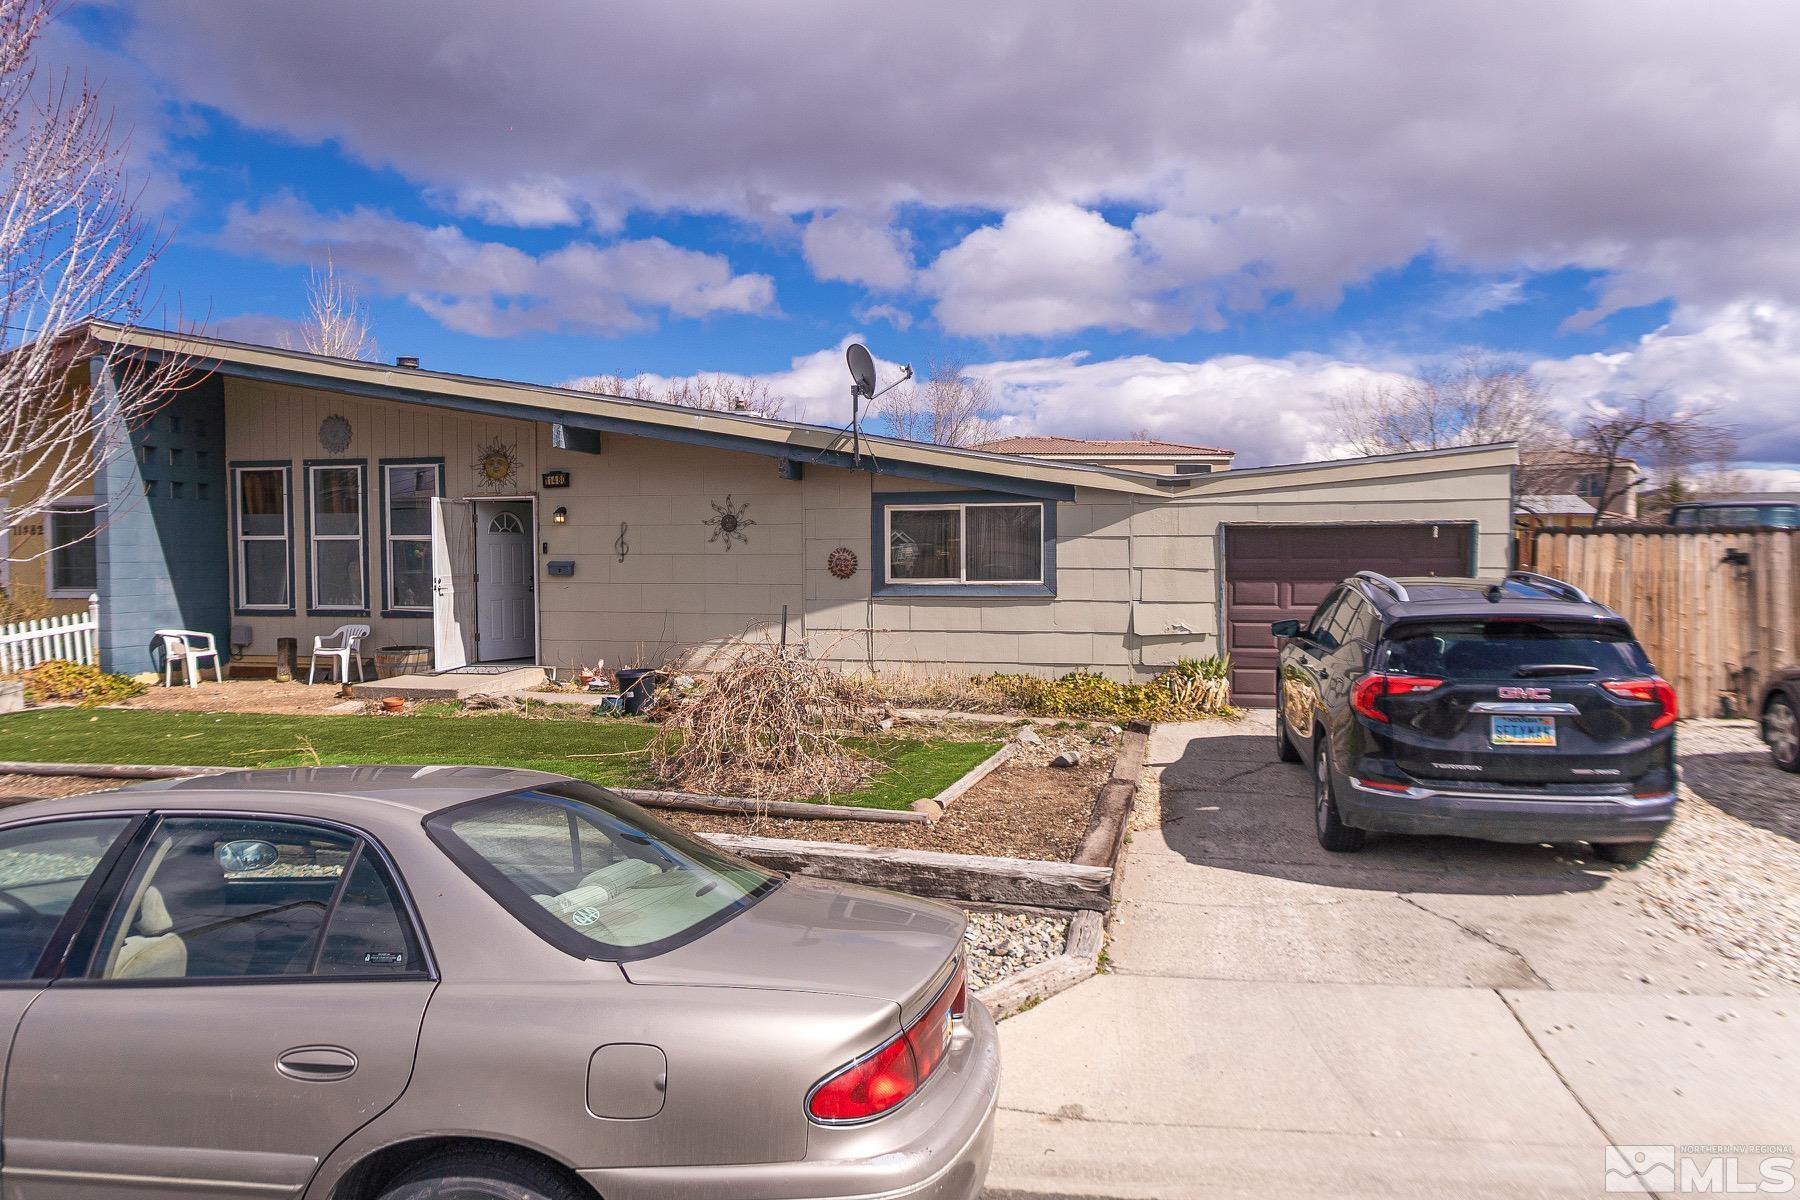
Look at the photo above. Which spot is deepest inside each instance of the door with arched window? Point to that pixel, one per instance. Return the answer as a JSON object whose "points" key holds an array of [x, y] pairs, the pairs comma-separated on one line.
{"points": [[504, 581]]}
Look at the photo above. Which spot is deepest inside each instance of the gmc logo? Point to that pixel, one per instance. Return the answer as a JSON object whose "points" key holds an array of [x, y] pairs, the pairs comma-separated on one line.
{"points": [[1524, 693]]}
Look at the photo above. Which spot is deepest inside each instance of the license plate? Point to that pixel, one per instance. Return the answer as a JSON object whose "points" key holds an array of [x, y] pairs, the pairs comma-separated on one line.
{"points": [[1522, 731]]}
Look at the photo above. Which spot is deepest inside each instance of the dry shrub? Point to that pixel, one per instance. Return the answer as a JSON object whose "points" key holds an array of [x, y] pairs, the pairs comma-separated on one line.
{"points": [[765, 723]]}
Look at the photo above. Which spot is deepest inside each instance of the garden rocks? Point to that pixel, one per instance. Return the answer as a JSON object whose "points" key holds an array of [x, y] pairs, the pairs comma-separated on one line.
{"points": [[1002, 944], [1068, 758], [1028, 737]]}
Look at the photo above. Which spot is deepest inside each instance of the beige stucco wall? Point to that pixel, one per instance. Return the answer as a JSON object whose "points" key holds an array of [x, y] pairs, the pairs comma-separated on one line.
{"points": [[1137, 577]]}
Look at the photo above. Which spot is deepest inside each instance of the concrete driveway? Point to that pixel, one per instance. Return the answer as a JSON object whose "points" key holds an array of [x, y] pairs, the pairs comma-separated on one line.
{"points": [[1430, 1017]]}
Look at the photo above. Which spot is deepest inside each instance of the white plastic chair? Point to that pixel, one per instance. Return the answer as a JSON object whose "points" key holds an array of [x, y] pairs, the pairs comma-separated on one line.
{"points": [[190, 646], [344, 645]]}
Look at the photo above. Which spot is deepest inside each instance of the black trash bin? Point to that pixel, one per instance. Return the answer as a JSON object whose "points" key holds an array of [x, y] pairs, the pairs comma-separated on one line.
{"points": [[637, 688]]}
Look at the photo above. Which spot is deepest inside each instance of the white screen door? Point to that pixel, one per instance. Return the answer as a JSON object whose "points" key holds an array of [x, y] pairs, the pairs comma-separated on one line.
{"points": [[452, 583]]}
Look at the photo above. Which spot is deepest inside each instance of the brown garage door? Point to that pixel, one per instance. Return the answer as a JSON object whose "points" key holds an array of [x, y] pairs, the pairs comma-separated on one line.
{"points": [[1273, 572]]}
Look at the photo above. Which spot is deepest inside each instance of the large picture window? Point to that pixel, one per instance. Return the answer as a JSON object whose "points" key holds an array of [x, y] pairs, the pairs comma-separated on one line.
{"points": [[408, 489], [965, 543], [74, 561], [264, 563], [334, 495]]}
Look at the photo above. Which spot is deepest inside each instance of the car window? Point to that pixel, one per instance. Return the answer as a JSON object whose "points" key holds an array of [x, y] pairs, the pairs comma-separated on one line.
{"points": [[1360, 621], [369, 933], [234, 898], [42, 869], [1503, 649], [593, 873], [1318, 627]]}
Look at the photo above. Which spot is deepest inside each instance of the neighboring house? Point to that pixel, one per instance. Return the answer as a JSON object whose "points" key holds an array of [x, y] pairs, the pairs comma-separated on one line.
{"points": [[284, 494], [1566, 511], [1135, 454], [1554, 475]]}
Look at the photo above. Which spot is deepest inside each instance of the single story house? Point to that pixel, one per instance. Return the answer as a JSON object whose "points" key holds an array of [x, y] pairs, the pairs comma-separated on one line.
{"points": [[282, 494]]}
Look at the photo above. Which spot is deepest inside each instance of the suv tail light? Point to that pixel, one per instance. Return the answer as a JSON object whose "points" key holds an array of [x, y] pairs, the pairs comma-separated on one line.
{"points": [[887, 1077], [1655, 690], [1368, 690]]}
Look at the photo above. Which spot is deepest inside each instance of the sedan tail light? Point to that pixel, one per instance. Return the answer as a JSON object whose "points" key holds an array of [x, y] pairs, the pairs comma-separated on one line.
{"points": [[1369, 690], [886, 1078], [1656, 691]]}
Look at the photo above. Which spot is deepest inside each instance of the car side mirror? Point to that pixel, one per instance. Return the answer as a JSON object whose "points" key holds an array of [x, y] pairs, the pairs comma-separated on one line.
{"points": [[1285, 629], [246, 854]]}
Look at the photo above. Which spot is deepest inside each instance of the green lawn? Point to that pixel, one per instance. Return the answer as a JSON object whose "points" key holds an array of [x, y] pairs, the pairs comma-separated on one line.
{"points": [[604, 752]]}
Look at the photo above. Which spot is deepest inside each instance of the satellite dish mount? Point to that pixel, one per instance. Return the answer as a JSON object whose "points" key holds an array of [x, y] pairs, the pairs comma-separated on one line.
{"points": [[862, 387]]}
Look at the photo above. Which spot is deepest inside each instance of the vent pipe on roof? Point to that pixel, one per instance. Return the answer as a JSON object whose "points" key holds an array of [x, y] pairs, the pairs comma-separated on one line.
{"points": [[409, 361]]}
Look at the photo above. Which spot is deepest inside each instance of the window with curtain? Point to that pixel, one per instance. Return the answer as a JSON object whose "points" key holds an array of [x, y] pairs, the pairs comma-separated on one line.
{"points": [[410, 490], [965, 543], [335, 519], [264, 563]]}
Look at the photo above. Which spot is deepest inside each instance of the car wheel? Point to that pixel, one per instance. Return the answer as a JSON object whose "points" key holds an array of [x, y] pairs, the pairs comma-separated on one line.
{"points": [[1334, 835], [481, 1175], [1627, 853], [1781, 730], [1284, 743]]}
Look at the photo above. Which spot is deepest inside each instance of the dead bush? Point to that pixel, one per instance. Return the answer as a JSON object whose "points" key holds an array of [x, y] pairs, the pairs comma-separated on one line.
{"points": [[765, 723]]}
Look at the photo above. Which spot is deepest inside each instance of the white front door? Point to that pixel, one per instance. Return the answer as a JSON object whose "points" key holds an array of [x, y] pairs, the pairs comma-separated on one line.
{"points": [[452, 583], [504, 580]]}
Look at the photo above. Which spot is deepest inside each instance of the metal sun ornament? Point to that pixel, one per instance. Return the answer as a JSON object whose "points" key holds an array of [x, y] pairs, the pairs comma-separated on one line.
{"points": [[728, 522], [841, 562], [335, 434], [497, 465]]}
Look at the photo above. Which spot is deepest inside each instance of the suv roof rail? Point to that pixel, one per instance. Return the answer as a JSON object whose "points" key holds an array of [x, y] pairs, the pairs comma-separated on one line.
{"points": [[1567, 590], [1385, 584]]}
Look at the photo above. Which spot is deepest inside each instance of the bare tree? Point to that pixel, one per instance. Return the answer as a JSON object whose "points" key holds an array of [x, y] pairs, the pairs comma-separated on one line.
{"points": [[337, 320], [1651, 430], [1474, 403], [715, 393], [73, 249], [948, 407]]}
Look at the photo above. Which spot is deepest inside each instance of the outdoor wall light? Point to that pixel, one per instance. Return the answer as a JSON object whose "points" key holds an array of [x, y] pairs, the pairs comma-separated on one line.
{"points": [[560, 516]]}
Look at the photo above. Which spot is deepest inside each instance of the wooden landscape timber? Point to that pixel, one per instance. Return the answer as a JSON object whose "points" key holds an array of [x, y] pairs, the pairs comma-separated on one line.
{"points": [[742, 806], [932, 873]]}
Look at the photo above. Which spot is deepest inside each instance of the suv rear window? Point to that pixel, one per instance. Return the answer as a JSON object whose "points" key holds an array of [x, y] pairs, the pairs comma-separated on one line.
{"points": [[594, 875], [1512, 649]]}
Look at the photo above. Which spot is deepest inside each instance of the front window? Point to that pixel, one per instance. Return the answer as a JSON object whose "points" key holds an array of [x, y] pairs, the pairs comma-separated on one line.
{"points": [[262, 538], [334, 496], [410, 488], [593, 874], [1513, 650], [74, 563], [965, 543]]}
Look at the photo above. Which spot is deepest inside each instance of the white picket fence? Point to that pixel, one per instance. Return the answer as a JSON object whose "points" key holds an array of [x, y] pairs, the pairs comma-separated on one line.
{"points": [[75, 637]]}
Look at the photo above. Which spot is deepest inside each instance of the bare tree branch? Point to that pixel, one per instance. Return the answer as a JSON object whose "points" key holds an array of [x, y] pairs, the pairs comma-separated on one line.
{"points": [[715, 393], [1477, 402], [337, 323], [948, 407], [1651, 430], [72, 249]]}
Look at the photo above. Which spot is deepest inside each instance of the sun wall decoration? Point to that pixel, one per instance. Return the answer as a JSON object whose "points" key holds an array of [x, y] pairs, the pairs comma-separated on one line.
{"points": [[728, 522], [497, 466]]}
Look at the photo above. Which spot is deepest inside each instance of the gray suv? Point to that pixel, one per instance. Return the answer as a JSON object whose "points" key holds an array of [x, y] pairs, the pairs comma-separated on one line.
{"points": [[1517, 710]]}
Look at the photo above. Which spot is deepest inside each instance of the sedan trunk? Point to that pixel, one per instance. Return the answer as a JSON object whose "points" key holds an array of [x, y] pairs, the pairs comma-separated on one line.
{"points": [[812, 936]]}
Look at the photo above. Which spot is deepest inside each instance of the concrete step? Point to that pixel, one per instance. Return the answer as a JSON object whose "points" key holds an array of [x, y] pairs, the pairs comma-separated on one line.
{"points": [[451, 686]]}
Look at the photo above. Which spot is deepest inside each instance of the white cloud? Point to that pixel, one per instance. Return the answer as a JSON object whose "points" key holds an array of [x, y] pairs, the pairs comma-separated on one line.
{"points": [[1742, 361], [1275, 148], [495, 290], [894, 315], [853, 248]]}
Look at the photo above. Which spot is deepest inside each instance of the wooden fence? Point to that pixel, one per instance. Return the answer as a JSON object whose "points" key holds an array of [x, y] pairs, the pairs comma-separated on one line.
{"points": [[75, 637], [1715, 610]]}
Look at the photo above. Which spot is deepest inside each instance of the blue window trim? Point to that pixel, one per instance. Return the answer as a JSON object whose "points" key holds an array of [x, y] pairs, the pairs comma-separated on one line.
{"points": [[231, 481], [382, 465], [880, 502], [362, 466]]}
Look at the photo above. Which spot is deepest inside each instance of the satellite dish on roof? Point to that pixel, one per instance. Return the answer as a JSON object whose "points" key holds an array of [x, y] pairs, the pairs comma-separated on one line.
{"points": [[862, 368]]}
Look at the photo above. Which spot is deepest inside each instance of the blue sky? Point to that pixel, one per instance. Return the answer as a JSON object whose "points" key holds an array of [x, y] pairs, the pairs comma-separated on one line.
{"points": [[1204, 222]]}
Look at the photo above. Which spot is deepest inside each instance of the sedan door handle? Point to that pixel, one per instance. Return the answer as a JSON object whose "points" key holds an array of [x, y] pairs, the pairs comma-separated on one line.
{"points": [[316, 1064]]}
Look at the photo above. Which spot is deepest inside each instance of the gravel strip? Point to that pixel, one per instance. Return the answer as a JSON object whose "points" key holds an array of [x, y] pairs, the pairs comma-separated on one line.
{"points": [[1728, 869], [1002, 944]]}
